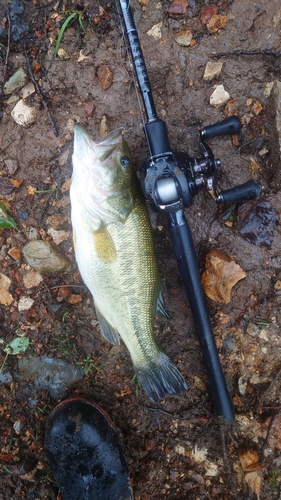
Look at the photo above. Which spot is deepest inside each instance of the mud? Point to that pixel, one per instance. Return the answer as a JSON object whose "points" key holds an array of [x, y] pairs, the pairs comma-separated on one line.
{"points": [[175, 449]]}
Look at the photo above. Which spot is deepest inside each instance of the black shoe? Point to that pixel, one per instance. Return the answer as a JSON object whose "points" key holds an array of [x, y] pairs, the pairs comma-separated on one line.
{"points": [[84, 453]]}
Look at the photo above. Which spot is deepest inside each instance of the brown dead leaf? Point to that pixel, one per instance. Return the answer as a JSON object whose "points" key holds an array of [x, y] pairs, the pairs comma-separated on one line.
{"points": [[220, 275], [256, 108], [16, 182], [230, 108], [74, 299], [31, 190], [66, 186], [249, 460]]}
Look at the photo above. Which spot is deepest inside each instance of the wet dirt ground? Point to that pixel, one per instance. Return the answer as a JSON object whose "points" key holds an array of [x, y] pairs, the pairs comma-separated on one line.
{"points": [[175, 449]]}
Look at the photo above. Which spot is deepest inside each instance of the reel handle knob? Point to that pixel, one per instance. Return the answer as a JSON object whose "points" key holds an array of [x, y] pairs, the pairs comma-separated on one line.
{"points": [[228, 126], [248, 191]]}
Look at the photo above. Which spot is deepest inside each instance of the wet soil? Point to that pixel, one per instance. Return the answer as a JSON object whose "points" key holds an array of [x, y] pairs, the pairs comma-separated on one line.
{"points": [[175, 449]]}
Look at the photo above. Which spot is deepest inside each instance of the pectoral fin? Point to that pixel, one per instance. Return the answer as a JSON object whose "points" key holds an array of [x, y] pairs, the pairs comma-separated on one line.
{"points": [[104, 246], [109, 333]]}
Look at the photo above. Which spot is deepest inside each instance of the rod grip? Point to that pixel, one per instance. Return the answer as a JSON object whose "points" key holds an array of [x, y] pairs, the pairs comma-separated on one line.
{"points": [[186, 257]]}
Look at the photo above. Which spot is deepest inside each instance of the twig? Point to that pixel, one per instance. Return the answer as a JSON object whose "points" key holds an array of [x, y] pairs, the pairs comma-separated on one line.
{"points": [[269, 389], [264, 52], [7, 54], [269, 431], [39, 92]]}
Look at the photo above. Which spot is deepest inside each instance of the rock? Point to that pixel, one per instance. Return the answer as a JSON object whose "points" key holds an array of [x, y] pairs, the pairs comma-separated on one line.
{"points": [[212, 70], [11, 165], [14, 252], [220, 275], [178, 7], [31, 233], [215, 23], [81, 57], [23, 115], [184, 38], [58, 221], [5, 378], [156, 31], [105, 77], [17, 81], [27, 90], [25, 303], [104, 127], [207, 12], [268, 88], [13, 99], [53, 375], [65, 158], [219, 97], [58, 235], [63, 54], [45, 257], [32, 279], [5, 297]]}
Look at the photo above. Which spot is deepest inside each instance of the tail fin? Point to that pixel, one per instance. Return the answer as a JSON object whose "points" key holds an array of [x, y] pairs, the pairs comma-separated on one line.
{"points": [[160, 377]]}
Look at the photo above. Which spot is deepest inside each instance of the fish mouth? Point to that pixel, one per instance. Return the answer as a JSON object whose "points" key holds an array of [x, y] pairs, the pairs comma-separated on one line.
{"points": [[102, 149]]}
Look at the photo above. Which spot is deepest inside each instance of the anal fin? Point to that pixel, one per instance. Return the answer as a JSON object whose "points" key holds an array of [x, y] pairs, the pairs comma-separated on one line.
{"points": [[160, 305], [108, 332]]}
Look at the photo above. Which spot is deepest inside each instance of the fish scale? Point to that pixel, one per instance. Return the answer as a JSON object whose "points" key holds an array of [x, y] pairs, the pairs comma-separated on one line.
{"points": [[116, 257]]}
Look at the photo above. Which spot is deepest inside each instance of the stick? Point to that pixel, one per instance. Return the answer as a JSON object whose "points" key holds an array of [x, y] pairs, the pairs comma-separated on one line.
{"points": [[39, 92]]}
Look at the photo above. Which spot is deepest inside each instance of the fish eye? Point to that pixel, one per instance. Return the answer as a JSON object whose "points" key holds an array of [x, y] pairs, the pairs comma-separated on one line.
{"points": [[125, 161]]}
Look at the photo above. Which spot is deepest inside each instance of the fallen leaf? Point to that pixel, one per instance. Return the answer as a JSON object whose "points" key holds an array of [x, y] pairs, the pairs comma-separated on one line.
{"points": [[220, 275], [16, 182], [5, 220], [248, 459], [17, 346], [256, 108], [74, 299], [257, 221]]}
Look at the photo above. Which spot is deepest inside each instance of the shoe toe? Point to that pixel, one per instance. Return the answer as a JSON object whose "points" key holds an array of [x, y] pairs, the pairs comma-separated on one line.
{"points": [[84, 453]]}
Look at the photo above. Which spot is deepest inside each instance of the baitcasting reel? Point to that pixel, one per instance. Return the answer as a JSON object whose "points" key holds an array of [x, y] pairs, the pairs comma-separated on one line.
{"points": [[170, 181]]}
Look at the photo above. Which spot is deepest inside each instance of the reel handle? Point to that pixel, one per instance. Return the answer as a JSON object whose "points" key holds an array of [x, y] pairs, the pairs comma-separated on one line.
{"points": [[228, 126], [250, 190]]}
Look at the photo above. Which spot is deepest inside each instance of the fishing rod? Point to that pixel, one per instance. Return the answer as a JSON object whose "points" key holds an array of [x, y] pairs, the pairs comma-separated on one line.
{"points": [[170, 182]]}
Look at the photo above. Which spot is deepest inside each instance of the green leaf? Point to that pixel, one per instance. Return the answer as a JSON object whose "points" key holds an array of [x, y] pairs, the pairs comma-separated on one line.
{"points": [[17, 346], [62, 30], [5, 220]]}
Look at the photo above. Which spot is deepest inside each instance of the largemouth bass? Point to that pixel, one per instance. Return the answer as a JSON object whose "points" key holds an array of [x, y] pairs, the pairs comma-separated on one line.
{"points": [[115, 254]]}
